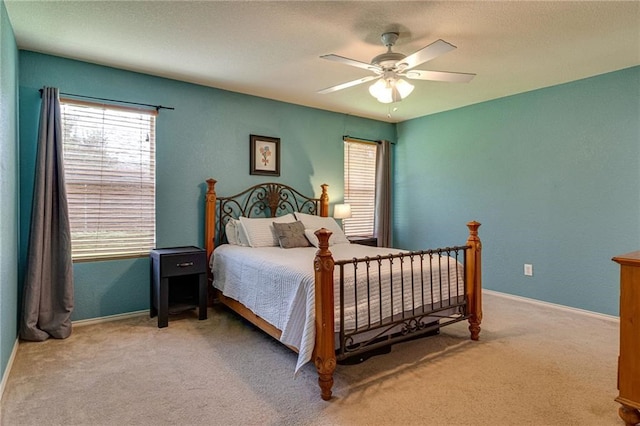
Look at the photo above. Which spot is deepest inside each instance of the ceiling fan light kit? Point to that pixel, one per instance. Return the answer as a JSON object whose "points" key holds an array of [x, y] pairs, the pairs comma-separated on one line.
{"points": [[390, 90], [390, 66]]}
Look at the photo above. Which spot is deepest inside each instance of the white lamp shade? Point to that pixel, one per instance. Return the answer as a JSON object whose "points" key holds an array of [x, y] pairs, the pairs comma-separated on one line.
{"points": [[342, 211], [379, 88], [404, 87]]}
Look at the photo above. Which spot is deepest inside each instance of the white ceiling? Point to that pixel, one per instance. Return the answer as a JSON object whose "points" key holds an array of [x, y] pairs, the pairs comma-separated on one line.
{"points": [[271, 49]]}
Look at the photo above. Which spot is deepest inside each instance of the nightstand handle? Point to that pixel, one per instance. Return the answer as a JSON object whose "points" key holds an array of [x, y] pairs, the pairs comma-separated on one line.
{"points": [[184, 265]]}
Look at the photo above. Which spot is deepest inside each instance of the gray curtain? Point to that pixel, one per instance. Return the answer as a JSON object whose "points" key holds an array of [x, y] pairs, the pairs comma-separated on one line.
{"points": [[382, 216], [48, 286]]}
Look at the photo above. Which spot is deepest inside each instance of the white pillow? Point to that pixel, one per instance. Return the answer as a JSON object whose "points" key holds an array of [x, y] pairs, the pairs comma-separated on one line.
{"points": [[260, 232], [314, 223], [235, 233], [231, 232], [311, 236]]}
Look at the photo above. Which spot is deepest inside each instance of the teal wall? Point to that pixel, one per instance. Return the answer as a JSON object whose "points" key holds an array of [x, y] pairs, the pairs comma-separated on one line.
{"points": [[8, 189], [553, 175], [207, 135]]}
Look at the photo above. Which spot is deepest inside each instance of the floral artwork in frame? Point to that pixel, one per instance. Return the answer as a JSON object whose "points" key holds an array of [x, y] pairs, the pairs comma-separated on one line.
{"points": [[265, 155]]}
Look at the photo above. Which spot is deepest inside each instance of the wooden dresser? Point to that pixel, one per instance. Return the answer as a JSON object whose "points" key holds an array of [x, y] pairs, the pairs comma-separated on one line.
{"points": [[629, 357]]}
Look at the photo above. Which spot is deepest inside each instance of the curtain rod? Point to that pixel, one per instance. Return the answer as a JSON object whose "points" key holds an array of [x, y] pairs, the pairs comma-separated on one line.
{"points": [[157, 107], [364, 140]]}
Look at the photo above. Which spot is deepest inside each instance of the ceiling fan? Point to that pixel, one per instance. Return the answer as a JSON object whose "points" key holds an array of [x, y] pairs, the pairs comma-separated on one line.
{"points": [[390, 66]]}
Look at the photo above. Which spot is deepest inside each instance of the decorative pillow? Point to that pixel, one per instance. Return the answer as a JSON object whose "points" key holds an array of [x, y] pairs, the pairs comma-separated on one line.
{"points": [[316, 222], [290, 235], [259, 231]]}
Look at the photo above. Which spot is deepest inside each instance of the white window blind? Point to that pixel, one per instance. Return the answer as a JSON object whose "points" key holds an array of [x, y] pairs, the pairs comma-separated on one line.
{"points": [[359, 186], [109, 160]]}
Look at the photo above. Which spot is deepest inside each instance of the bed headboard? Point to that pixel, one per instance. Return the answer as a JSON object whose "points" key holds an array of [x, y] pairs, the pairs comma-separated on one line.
{"points": [[263, 200]]}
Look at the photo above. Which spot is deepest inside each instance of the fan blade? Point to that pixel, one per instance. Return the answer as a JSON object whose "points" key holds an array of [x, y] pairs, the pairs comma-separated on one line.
{"points": [[435, 49], [451, 77], [348, 84], [351, 62]]}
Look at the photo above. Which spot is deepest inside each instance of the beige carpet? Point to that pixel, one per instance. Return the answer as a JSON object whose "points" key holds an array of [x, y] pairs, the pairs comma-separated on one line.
{"points": [[534, 365]]}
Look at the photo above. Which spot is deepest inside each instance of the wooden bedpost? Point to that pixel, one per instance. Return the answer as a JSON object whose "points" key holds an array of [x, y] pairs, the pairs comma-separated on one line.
{"points": [[209, 218], [324, 201], [324, 354], [474, 279]]}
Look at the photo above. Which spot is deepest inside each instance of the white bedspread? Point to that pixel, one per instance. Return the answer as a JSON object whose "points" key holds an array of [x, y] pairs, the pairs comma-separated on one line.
{"points": [[278, 285]]}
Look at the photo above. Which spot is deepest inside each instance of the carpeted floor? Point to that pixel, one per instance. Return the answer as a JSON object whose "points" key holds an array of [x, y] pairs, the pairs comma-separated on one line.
{"points": [[534, 365]]}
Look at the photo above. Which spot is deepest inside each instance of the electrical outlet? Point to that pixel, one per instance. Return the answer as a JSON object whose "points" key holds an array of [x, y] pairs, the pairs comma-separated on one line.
{"points": [[528, 269]]}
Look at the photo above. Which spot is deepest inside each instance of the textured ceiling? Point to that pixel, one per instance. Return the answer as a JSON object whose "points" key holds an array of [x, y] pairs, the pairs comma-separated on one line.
{"points": [[272, 49]]}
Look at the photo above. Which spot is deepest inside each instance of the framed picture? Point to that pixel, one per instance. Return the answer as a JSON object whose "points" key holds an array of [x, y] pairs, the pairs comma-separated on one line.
{"points": [[265, 155]]}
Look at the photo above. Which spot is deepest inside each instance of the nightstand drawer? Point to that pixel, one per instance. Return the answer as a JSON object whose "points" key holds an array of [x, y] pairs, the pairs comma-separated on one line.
{"points": [[183, 264]]}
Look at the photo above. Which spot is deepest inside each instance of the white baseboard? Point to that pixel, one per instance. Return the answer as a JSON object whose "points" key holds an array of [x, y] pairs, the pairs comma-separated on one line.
{"points": [[553, 305], [109, 318], [7, 370]]}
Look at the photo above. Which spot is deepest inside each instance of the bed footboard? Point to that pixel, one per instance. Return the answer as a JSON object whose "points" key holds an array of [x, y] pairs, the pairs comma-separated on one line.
{"points": [[453, 294]]}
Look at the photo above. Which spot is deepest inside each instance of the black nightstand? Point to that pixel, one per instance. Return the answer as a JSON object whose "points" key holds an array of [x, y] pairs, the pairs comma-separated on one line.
{"points": [[364, 240], [178, 282]]}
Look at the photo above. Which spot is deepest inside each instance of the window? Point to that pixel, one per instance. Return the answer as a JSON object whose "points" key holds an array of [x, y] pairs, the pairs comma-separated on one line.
{"points": [[109, 160], [359, 186]]}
